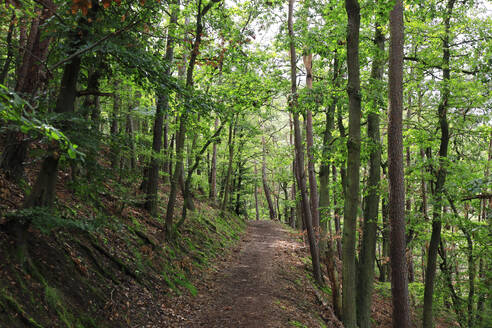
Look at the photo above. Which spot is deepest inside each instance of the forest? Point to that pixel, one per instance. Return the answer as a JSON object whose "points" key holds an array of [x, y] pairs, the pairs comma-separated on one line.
{"points": [[245, 163]]}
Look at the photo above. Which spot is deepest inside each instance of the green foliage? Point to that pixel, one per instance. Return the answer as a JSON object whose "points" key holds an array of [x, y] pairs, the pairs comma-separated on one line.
{"points": [[19, 113], [46, 219], [295, 323]]}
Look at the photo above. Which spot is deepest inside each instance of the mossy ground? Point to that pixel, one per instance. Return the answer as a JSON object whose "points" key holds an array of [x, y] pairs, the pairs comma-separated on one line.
{"points": [[99, 266]]}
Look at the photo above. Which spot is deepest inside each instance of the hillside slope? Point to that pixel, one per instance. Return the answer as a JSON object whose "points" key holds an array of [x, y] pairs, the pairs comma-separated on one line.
{"points": [[106, 266]]}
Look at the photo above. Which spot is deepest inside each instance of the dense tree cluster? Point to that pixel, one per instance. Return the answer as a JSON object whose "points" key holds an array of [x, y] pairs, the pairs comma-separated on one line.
{"points": [[365, 123]]}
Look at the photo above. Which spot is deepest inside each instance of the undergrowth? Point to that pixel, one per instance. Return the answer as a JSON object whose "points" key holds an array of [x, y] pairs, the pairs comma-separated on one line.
{"points": [[83, 253]]}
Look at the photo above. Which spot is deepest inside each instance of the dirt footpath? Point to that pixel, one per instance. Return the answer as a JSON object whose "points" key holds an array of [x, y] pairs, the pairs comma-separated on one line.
{"points": [[264, 283]]}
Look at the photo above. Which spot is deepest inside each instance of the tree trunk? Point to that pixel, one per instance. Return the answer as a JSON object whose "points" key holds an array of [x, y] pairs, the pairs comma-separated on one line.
{"points": [[430, 270], [129, 129], [293, 208], [43, 192], [367, 256], [8, 42], [161, 108], [336, 214], [213, 169], [266, 189], [187, 194], [240, 171], [399, 274], [256, 194], [385, 273], [301, 177], [353, 165], [115, 148], [230, 143], [29, 73], [287, 219], [313, 186], [178, 171], [165, 144], [324, 172]]}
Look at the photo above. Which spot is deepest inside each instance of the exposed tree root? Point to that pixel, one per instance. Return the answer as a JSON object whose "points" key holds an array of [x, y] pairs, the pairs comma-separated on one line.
{"points": [[119, 263], [7, 302]]}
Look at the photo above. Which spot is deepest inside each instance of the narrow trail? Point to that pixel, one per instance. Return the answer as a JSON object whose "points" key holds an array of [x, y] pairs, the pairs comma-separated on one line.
{"points": [[264, 283]]}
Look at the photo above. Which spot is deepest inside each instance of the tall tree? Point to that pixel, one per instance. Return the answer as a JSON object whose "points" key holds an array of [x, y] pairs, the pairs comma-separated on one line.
{"points": [[213, 169], [299, 153], [440, 175], [43, 191], [266, 188], [367, 256], [313, 185], [399, 272], [353, 164], [181, 133], [162, 108]]}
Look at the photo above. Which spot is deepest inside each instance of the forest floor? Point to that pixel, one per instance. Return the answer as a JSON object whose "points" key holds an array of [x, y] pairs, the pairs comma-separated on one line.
{"points": [[262, 283]]}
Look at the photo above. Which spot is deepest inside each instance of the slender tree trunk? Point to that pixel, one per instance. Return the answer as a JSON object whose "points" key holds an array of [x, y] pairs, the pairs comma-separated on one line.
{"points": [[29, 74], [408, 210], [367, 257], [43, 192], [230, 143], [240, 171], [399, 274], [165, 144], [129, 129], [385, 265], [256, 194], [483, 267], [301, 177], [162, 108], [115, 151], [8, 42], [313, 186], [430, 270], [286, 207], [213, 170], [353, 165], [181, 135], [187, 194], [266, 188], [336, 213], [324, 172], [293, 208]]}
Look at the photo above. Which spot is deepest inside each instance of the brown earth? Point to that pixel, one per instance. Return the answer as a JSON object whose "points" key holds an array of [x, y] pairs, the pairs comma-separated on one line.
{"points": [[263, 283]]}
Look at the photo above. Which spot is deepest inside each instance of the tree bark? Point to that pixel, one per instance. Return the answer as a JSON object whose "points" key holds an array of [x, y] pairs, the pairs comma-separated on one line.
{"points": [[114, 130], [213, 169], [8, 42], [129, 129], [324, 171], [313, 186], [399, 274], [162, 108], [336, 213], [256, 194], [29, 73], [181, 135], [43, 192], [301, 177], [266, 188], [187, 194], [353, 165], [293, 208], [367, 256], [230, 144], [430, 270], [385, 273]]}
